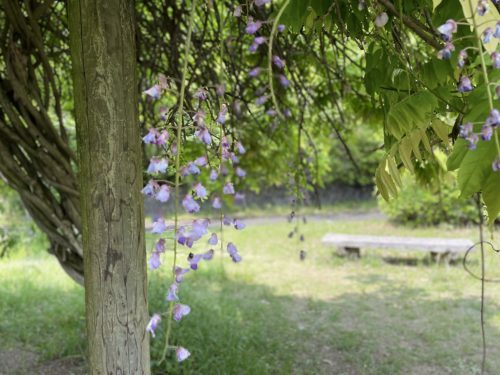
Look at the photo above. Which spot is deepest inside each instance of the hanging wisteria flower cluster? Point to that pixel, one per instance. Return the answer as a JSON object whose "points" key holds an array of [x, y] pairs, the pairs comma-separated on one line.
{"points": [[219, 162], [492, 122], [261, 36]]}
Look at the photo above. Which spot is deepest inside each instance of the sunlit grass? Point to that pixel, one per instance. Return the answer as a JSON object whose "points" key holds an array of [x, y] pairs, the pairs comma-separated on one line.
{"points": [[276, 314]]}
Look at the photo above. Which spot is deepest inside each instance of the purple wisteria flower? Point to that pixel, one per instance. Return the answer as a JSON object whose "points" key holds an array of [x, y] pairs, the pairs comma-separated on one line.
{"points": [[200, 191], [179, 273], [482, 7], [253, 27], [190, 205], [199, 117], [240, 172], [226, 220], [154, 92], [172, 292], [150, 138], [162, 138], [445, 53], [150, 189], [234, 158], [240, 148], [213, 175], [157, 165], [217, 203], [464, 85], [153, 324], [259, 3], [201, 94], [281, 28], [253, 48], [213, 239], [462, 56], [181, 354], [261, 100], [154, 260], [192, 168], [280, 64], [179, 311], [159, 226], [465, 129], [254, 72], [237, 11], [496, 164], [497, 30], [487, 35], [283, 81], [239, 225], [447, 30], [194, 259], [203, 135], [271, 112], [201, 161], [495, 60], [220, 89], [486, 132], [493, 118], [228, 188], [233, 252], [381, 20], [221, 117], [163, 194], [163, 113], [160, 245]]}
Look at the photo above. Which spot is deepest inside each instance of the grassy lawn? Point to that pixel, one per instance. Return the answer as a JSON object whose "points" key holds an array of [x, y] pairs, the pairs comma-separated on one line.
{"points": [[275, 314]]}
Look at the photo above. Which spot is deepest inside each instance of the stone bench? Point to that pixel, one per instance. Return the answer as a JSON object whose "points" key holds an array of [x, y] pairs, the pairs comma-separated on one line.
{"points": [[445, 248]]}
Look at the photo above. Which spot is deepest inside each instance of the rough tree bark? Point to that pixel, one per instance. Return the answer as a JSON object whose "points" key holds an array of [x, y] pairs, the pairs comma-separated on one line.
{"points": [[102, 42]]}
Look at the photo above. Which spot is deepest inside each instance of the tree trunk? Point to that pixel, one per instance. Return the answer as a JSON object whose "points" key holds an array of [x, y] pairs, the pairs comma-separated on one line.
{"points": [[102, 43]]}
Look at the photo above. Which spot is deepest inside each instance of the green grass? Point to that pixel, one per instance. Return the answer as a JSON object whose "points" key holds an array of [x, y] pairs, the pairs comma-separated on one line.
{"points": [[273, 314]]}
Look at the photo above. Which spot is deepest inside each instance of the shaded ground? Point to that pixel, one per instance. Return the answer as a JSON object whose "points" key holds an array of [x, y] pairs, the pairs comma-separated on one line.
{"points": [[21, 362]]}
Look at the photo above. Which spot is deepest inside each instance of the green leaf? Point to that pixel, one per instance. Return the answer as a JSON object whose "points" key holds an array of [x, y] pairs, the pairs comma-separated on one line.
{"points": [[456, 157], [475, 168], [491, 195], [405, 153], [393, 169], [441, 129], [435, 3]]}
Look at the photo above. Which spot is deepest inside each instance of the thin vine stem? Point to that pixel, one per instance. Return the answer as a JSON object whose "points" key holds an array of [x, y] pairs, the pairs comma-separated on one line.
{"points": [[177, 168], [270, 58], [483, 270]]}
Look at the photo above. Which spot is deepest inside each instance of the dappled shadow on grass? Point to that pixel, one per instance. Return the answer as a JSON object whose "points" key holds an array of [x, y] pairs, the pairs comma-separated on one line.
{"points": [[239, 325]]}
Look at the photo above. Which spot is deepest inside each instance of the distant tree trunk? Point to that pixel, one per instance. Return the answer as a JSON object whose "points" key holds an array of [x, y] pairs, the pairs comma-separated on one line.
{"points": [[102, 43]]}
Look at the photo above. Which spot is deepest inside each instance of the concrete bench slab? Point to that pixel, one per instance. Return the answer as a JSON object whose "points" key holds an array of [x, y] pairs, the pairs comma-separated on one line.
{"points": [[351, 244]]}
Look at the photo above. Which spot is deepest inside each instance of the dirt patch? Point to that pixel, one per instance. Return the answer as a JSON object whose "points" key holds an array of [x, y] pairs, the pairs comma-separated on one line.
{"points": [[21, 362], [17, 361]]}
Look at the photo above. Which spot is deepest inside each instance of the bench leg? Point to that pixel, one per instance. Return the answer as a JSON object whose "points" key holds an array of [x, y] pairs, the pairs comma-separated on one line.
{"points": [[444, 258], [351, 252]]}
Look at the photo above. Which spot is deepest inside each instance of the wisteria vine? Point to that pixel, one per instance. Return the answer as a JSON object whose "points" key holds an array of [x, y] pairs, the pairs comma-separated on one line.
{"points": [[492, 122]]}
